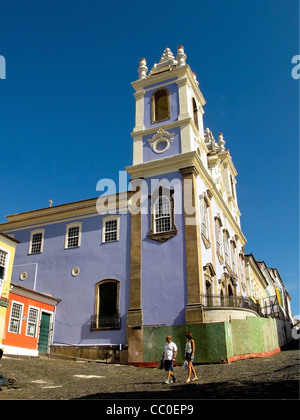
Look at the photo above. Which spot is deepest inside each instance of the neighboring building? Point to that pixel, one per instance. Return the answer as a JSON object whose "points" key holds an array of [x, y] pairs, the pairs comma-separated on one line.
{"points": [[166, 256], [257, 284], [7, 253], [29, 322]]}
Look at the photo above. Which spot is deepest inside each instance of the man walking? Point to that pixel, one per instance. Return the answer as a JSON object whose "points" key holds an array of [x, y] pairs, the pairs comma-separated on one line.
{"points": [[170, 353]]}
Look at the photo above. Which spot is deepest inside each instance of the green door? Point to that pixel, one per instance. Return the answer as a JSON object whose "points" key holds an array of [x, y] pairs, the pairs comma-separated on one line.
{"points": [[44, 333]]}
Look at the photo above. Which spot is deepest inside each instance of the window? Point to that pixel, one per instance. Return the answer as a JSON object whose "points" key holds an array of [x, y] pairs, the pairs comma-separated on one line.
{"points": [[3, 256], [73, 235], [162, 215], [204, 203], [195, 113], [218, 225], [36, 241], [233, 256], [241, 261], [110, 229], [225, 245], [32, 322], [15, 318], [160, 105], [107, 314], [232, 187]]}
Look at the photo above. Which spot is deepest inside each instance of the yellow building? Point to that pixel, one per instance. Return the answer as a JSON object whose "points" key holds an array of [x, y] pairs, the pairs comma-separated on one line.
{"points": [[7, 254], [258, 287]]}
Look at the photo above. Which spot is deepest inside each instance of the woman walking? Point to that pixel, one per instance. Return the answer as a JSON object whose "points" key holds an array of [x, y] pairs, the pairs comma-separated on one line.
{"points": [[189, 356]]}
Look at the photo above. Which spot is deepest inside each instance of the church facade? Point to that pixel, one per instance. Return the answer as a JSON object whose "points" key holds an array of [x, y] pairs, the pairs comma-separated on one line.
{"points": [[165, 256]]}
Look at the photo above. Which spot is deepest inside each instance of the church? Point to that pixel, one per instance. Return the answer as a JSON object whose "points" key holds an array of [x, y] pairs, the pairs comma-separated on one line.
{"points": [[165, 257]]}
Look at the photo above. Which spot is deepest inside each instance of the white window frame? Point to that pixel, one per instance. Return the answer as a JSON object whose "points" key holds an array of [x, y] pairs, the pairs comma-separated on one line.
{"points": [[109, 219], [226, 247], [204, 217], [233, 256], [218, 226], [36, 321], [20, 318], [157, 217], [5, 263], [32, 233], [242, 272], [68, 227]]}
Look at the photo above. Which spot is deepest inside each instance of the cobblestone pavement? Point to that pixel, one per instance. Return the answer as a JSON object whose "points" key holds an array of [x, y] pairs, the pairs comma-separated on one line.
{"points": [[274, 377]]}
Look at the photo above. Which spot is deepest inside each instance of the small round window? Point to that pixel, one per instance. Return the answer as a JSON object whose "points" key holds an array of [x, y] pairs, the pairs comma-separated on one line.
{"points": [[161, 145], [75, 271]]}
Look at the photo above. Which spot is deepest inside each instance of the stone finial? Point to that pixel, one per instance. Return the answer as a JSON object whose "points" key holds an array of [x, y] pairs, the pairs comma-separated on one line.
{"points": [[167, 56], [142, 70], [221, 143], [209, 140], [195, 78], [181, 56]]}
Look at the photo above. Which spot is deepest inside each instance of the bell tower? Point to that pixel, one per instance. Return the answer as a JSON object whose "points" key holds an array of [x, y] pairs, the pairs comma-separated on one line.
{"points": [[175, 242], [168, 139], [169, 109]]}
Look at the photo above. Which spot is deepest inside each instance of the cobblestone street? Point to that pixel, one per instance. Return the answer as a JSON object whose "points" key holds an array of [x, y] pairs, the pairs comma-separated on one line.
{"points": [[274, 377]]}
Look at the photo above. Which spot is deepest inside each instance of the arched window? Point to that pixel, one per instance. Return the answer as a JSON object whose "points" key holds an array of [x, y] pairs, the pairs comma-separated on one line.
{"points": [[218, 225], [162, 215], [161, 105], [226, 246], [107, 314], [195, 113], [204, 216]]}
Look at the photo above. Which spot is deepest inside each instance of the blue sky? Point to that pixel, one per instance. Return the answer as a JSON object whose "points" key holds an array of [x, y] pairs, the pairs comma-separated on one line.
{"points": [[67, 106]]}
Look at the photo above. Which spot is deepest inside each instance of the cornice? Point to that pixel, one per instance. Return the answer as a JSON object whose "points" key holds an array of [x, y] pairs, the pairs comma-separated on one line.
{"points": [[164, 76], [165, 126], [63, 212]]}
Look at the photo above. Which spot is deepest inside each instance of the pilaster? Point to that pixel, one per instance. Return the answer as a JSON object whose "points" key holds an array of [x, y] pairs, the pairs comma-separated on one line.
{"points": [[194, 311], [134, 318]]}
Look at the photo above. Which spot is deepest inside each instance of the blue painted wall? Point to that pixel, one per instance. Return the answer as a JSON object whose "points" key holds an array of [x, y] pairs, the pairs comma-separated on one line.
{"points": [[174, 149], [164, 269], [50, 272]]}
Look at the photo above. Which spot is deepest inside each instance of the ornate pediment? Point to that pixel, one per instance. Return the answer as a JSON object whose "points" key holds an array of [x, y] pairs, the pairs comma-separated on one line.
{"points": [[161, 141]]}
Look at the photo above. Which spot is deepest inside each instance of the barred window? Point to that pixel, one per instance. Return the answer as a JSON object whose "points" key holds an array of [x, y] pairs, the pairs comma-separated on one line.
{"points": [[162, 215], [111, 231], [32, 322], [15, 318], [3, 256], [73, 235], [36, 243]]}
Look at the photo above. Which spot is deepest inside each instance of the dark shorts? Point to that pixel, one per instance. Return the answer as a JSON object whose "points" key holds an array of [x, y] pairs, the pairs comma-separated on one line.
{"points": [[188, 356], [169, 365]]}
